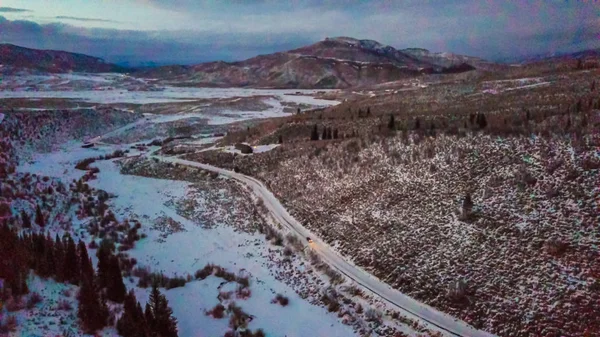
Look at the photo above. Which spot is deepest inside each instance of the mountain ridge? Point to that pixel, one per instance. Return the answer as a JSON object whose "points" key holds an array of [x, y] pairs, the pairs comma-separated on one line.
{"points": [[339, 62], [52, 61]]}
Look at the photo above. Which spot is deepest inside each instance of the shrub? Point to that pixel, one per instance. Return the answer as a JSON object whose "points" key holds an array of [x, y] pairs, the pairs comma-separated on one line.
{"points": [[175, 282], [277, 239], [33, 300], [243, 281], [243, 292], [282, 300], [9, 326], [238, 317], [294, 241], [64, 305], [259, 333], [222, 273], [333, 306], [84, 164], [287, 251], [205, 272], [372, 315], [217, 312], [334, 276], [224, 295], [14, 304]]}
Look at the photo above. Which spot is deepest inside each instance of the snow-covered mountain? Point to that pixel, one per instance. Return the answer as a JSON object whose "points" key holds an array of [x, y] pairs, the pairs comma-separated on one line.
{"points": [[339, 62]]}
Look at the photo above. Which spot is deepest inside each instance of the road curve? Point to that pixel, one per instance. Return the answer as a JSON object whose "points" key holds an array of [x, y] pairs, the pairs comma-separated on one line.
{"points": [[443, 322]]}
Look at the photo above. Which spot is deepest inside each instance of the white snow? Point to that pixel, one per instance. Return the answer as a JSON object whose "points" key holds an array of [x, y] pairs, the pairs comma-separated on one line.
{"points": [[61, 163], [529, 86], [407, 304], [264, 148], [185, 252], [169, 94]]}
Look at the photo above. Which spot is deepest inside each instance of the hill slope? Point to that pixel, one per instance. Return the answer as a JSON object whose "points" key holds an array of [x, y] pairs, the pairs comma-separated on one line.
{"points": [[53, 61], [332, 63]]}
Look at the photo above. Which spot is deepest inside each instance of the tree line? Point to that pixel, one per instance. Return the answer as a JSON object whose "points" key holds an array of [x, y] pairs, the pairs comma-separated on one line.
{"points": [[67, 262]]}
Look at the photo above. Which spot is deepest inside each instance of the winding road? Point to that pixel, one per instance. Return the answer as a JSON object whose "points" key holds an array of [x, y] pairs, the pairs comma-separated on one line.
{"points": [[442, 322]]}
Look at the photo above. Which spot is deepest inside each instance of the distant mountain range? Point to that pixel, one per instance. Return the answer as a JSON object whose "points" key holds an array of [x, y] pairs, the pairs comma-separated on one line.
{"points": [[340, 62], [52, 61]]}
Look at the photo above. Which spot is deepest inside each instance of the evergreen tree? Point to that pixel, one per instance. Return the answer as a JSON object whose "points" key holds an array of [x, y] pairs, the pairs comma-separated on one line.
{"points": [[578, 106], [115, 290], [71, 265], [392, 123], [164, 324], [38, 261], [472, 119], [467, 206], [417, 123], [335, 134], [85, 264], [39, 217], [298, 111], [149, 316], [132, 323], [368, 111], [26, 221], [324, 135], [92, 311], [329, 133], [143, 329], [14, 267], [104, 252], [314, 135], [481, 121], [280, 139], [59, 258], [593, 86], [49, 261]]}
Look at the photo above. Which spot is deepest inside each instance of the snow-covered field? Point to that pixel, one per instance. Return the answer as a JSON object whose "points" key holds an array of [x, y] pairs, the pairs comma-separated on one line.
{"points": [[114, 91], [186, 251], [189, 250]]}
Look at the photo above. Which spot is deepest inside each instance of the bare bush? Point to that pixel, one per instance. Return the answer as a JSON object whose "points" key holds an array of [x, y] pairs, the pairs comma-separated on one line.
{"points": [[64, 305], [205, 272], [9, 326], [217, 312], [33, 300], [372, 315], [282, 300], [14, 304]]}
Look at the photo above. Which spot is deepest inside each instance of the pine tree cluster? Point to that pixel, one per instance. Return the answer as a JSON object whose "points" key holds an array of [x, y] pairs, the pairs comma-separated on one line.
{"points": [[328, 133], [156, 321], [67, 262]]}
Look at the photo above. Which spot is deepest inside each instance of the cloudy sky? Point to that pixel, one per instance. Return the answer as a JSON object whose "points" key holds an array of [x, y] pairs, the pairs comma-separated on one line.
{"points": [[193, 31]]}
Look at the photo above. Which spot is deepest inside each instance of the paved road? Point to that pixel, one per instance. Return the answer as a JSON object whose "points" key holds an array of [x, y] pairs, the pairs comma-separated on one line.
{"points": [[445, 323]]}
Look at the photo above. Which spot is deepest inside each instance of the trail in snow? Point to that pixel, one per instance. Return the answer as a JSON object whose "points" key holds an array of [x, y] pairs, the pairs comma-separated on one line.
{"points": [[443, 322]]}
